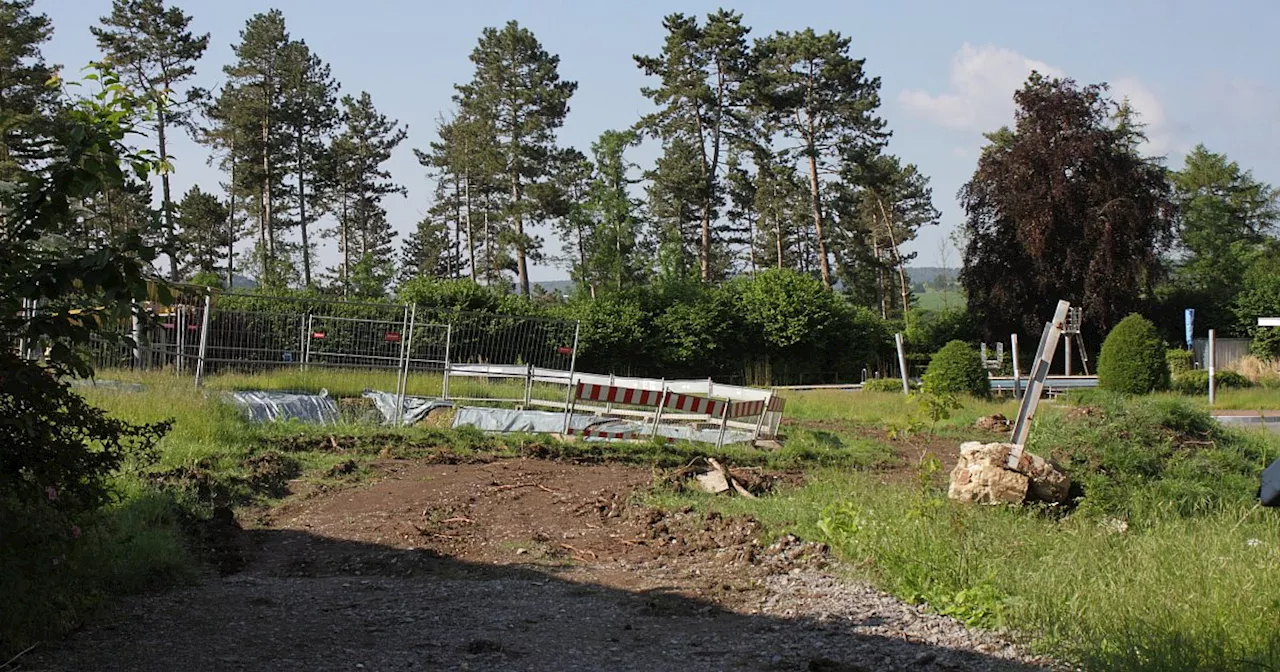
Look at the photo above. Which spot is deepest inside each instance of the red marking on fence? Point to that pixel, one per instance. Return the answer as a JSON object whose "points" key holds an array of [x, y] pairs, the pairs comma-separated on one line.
{"points": [[317, 334], [391, 337], [564, 350]]}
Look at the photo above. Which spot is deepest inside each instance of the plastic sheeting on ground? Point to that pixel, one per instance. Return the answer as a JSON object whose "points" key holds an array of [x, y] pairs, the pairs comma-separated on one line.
{"points": [[264, 406], [547, 422], [413, 410]]}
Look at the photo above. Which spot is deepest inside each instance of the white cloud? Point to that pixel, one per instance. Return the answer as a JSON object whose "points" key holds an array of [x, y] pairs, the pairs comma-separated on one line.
{"points": [[982, 82]]}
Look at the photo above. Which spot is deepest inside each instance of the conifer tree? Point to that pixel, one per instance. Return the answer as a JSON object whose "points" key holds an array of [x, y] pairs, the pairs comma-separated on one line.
{"points": [[153, 46], [26, 103]]}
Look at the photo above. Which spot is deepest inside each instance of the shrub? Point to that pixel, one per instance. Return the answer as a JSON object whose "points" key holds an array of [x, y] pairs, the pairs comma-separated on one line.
{"points": [[883, 385], [957, 369], [1132, 360], [1196, 381], [1179, 360]]}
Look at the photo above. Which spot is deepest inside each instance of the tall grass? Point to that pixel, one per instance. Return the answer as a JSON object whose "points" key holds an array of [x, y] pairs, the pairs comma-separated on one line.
{"points": [[883, 408]]}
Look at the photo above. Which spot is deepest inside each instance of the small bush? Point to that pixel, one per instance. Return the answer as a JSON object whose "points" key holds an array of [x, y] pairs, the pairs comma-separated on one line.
{"points": [[1132, 360], [957, 369], [883, 385], [1196, 381], [1179, 360]]}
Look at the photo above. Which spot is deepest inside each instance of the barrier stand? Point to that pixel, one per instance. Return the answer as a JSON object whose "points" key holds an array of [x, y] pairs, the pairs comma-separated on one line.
{"points": [[1017, 375], [724, 424], [1213, 369], [204, 337], [402, 382], [573, 362], [760, 422], [613, 381], [308, 332], [662, 402]]}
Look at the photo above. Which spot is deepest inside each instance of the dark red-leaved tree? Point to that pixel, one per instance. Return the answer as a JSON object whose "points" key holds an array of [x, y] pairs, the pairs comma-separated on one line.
{"points": [[1062, 207]]}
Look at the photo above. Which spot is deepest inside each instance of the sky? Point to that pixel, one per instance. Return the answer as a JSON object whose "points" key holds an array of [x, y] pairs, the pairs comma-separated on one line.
{"points": [[1196, 72]]}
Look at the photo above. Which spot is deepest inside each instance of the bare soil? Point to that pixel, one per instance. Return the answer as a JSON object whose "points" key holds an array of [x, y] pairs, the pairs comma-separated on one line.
{"points": [[517, 565]]}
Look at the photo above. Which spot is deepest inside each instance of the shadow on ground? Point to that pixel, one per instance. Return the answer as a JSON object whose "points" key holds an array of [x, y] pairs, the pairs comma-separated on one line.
{"points": [[298, 601]]}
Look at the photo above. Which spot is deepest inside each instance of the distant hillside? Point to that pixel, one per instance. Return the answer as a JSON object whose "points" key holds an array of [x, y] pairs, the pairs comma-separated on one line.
{"points": [[928, 275]]}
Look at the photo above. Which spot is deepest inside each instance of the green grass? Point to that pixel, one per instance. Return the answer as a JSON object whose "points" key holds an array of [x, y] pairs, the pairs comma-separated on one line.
{"points": [[1183, 594], [933, 299], [883, 409]]}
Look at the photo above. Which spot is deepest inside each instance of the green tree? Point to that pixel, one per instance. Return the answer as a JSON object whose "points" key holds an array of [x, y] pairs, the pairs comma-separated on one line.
{"points": [[517, 89], [366, 239], [1060, 207], [704, 72], [204, 231], [824, 105], [956, 369], [674, 200], [154, 47], [26, 104], [1224, 216], [615, 255], [429, 251], [247, 120], [309, 112]]}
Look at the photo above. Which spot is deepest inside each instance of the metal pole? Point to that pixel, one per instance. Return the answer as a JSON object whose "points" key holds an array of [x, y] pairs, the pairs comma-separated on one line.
{"points": [[1035, 383], [662, 401], [902, 362], [448, 342], [528, 386], [1017, 372], [204, 338], [573, 363], [1066, 343], [304, 340], [1213, 361], [760, 422]]}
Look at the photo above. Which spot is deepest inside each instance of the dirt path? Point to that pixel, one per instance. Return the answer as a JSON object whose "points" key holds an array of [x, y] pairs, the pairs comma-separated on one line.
{"points": [[517, 565]]}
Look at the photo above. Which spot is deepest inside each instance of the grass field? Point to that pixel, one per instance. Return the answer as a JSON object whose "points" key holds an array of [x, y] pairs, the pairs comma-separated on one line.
{"points": [[1166, 565], [933, 299]]}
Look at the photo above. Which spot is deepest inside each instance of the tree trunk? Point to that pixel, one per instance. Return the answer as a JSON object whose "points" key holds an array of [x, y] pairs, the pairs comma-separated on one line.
{"points": [[170, 234], [471, 233], [522, 267], [266, 189], [302, 214], [902, 271], [488, 250], [344, 244], [780, 241], [231, 218], [815, 199]]}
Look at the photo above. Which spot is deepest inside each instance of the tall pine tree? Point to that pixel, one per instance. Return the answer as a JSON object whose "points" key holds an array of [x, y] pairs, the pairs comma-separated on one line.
{"points": [[204, 231], [26, 103], [309, 112], [154, 47], [517, 89]]}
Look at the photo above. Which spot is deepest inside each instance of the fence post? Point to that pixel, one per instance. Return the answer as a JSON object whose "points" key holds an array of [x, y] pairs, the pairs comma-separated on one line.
{"points": [[1017, 372], [448, 343], [204, 337], [308, 330], [608, 405], [902, 362], [570, 397], [180, 340], [662, 401], [1213, 362], [528, 385]]}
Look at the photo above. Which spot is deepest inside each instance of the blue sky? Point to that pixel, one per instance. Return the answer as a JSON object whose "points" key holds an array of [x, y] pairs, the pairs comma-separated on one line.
{"points": [[1197, 72]]}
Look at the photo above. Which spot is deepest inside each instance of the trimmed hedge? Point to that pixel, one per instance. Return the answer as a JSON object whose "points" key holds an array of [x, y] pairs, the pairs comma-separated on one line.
{"points": [[1132, 360], [1196, 381], [1179, 360], [957, 369]]}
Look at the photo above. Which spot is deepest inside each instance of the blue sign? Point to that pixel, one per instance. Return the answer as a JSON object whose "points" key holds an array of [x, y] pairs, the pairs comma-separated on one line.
{"points": [[1191, 318]]}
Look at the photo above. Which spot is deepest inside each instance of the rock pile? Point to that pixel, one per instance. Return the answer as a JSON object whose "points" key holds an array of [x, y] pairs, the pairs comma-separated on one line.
{"points": [[982, 476]]}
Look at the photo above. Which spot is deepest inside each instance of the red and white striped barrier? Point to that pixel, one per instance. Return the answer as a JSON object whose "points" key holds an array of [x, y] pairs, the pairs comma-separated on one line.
{"points": [[618, 395], [776, 404], [742, 409], [601, 434], [696, 405]]}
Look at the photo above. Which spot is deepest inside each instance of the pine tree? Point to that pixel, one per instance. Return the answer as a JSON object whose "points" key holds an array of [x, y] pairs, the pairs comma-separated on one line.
{"points": [[26, 103], [675, 201], [824, 104], [704, 72], [360, 182], [517, 89], [250, 110], [309, 112], [204, 230], [616, 255], [153, 46], [464, 162], [429, 251]]}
